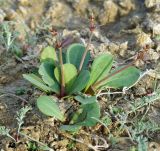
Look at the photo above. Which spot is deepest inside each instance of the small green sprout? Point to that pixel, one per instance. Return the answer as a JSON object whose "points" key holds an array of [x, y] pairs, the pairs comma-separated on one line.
{"points": [[5, 132], [21, 115], [8, 38]]}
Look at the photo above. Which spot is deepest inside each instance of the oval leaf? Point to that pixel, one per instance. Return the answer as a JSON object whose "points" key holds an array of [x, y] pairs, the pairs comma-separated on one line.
{"points": [[90, 113], [100, 68], [49, 55], [46, 70], [122, 78], [48, 106], [75, 53], [35, 80], [70, 73], [87, 113], [80, 82]]}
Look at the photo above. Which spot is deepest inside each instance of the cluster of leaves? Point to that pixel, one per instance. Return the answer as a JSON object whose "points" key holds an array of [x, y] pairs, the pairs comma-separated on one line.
{"points": [[88, 80]]}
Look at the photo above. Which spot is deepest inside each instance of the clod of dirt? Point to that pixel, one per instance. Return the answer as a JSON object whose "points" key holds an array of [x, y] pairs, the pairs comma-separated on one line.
{"points": [[153, 146], [23, 11], [151, 3], [36, 134], [10, 14], [100, 37], [152, 55], [143, 39], [125, 7], [110, 12], [24, 2], [123, 48], [152, 23], [62, 143], [156, 29], [59, 13], [8, 145], [140, 91], [156, 72], [80, 6], [113, 47], [113, 10], [21, 147]]}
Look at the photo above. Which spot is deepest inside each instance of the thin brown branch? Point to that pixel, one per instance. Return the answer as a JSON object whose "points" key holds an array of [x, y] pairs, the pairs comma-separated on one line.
{"points": [[62, 73], [96, 147], [13, 95], [85, 53]]}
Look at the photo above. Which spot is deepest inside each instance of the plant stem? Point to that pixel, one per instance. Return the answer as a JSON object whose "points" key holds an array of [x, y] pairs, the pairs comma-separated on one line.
{"points": [[62, 92], [40, 143], [11, 137], [19, 128], [85, 53], [108, 76], [13, 95]]}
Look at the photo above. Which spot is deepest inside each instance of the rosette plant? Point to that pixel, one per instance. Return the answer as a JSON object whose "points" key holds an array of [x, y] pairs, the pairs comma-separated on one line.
{"points": [[70, 72]]}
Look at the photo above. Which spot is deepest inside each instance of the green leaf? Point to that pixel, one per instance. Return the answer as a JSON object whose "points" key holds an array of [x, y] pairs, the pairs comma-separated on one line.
{"points": [[46, 70], [48, 106], [35, 80], [70, 128], [75, 53], [76, 116], [85, 100], [70, 73], [122, 78], [100, 68], [80, 82], [86, 114], [90, 111], [49, 55]]}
